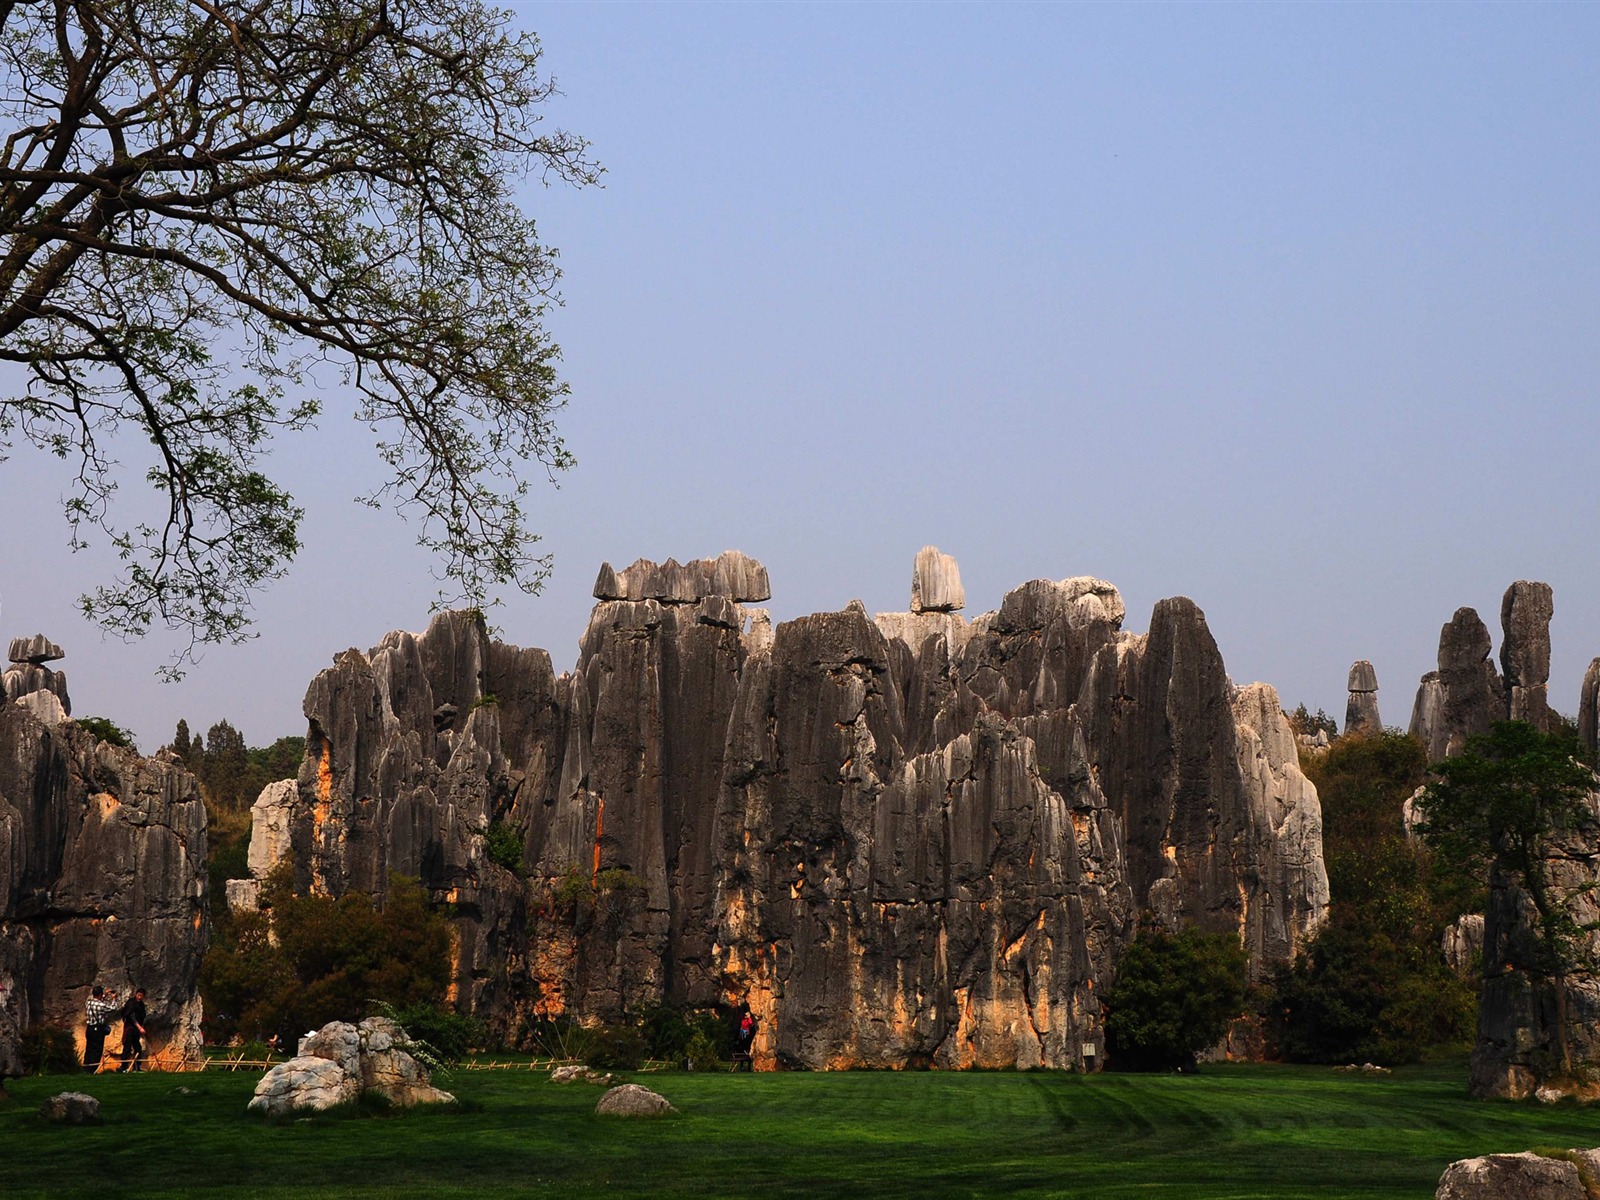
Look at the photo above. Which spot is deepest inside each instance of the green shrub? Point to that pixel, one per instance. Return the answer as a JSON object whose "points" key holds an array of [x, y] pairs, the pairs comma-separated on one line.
{"points": [[684, 1036], [503, 844], [1174, 996], [701, 1054], [315, 959], [558, 1037], [618, 1047], [106, 730], [46, 1050], [451, 1035]]}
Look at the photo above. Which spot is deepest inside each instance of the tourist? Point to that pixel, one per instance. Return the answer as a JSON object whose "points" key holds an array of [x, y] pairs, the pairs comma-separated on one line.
{"points": [[133, 1016], [747, 1036], [97, 1014]]}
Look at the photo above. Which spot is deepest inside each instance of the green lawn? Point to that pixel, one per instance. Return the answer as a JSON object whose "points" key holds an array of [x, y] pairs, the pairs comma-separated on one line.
{"points": [[1232, 1131]]}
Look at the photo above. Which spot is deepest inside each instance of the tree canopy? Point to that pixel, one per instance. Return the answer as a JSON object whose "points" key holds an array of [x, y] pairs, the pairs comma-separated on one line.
{"points": [[1501, 804], [1372, 984], [1174, 997], [203, 200]]}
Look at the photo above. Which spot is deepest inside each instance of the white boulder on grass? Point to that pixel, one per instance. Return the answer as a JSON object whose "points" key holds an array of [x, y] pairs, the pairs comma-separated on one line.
{"points": [[340, 1062]]}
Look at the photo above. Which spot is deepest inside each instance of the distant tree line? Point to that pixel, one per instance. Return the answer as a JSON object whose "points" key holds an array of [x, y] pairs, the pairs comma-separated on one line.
{"points": [[232, 774]]}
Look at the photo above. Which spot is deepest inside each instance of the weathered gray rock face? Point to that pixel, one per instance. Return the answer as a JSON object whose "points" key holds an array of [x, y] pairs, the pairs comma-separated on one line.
{"points": [[1535, 1031], [1525, 614], [407, 764], [37, 650], [936, 583], [1517, 1177], [1361, 709], [1466, 696], [898, 840], [1589, 707], [736, 576], [102, 878], [30, 683], [270, 817], [1462, 946]]}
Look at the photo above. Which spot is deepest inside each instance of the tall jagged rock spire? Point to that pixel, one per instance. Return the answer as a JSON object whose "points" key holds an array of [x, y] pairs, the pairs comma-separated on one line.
{"points": [[1361, 708], [1525, 615]]}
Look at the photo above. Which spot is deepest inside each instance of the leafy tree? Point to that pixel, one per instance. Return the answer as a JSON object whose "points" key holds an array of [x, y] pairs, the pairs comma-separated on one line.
{"points": [[1174, 996], [182, 746], [1505, 803], [1301, 720], [504, 846], [313, 959], [1501, 803], [200, 200], [1372, 985], [226, 767]]}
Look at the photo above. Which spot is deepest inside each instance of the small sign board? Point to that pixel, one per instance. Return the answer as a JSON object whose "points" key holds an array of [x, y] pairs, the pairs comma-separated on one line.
{"points": [[1088, 1050]]}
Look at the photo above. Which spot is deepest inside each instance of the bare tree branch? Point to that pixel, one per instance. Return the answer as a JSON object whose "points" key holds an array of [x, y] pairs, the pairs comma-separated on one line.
{"points": [[273, 183]]}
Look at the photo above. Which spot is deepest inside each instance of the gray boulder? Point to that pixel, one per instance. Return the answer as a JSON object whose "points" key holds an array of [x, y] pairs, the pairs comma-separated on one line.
{"points": [[306, 1083], [1517, 1177], [340, 1062], [70, 1108], [388, 1068], [631, 1100]]}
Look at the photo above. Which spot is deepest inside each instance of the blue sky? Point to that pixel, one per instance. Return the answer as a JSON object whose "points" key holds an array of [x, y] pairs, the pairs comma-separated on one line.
{"points": [[1289, 309]]}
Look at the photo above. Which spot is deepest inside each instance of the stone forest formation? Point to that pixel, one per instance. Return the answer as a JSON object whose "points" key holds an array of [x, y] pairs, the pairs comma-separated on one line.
{"points": [[902, 839]]}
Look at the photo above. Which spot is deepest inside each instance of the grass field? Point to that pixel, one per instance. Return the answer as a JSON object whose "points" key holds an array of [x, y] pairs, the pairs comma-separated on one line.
{"points": [[1231, 1131]]}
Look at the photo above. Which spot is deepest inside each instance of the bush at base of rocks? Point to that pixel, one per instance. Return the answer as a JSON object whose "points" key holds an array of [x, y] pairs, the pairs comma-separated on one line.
{"points": [[46, 1050]]}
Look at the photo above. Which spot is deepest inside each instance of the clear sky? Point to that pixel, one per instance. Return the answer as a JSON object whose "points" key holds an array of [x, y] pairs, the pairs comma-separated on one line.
{"points": [[1291, 309]]}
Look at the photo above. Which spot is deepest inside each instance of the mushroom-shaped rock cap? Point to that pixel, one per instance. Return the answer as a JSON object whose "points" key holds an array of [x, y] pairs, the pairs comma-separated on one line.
{"points": [[36, 649], [1362, 677], [731, 574], [936, 583]]}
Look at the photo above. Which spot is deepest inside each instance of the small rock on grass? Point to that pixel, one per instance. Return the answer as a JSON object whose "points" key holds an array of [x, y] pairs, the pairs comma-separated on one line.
{"points": [[579, 1074], [631, 1100], [70, 1108]]}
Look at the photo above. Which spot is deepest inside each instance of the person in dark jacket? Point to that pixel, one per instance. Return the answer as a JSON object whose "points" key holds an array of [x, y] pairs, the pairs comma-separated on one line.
{"points": [[133, 1016], [97, 1014]]}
